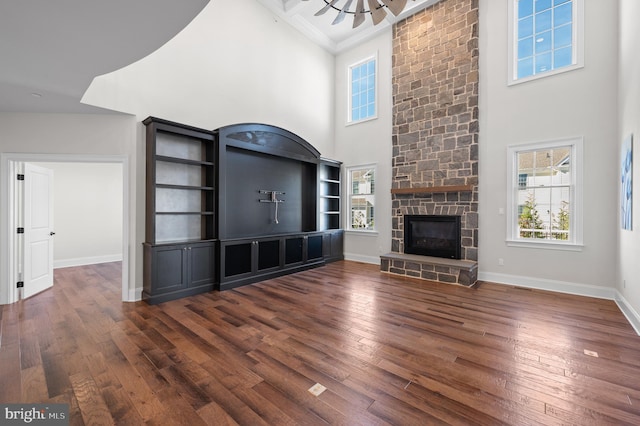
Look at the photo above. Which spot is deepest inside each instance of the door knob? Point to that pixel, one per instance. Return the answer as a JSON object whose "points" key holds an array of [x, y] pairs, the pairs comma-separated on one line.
{"points": [[52, 233]]}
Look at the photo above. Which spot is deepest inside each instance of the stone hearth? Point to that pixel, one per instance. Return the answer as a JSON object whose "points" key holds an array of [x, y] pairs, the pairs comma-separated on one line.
{"points": [[463, 272]]}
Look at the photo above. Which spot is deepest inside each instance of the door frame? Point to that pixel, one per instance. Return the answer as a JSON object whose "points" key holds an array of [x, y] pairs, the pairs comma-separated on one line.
{"points": [[9, 165]]}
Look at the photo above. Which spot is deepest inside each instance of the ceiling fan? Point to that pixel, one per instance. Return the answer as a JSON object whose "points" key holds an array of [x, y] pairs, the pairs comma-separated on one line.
{"points": [[377, 10]]}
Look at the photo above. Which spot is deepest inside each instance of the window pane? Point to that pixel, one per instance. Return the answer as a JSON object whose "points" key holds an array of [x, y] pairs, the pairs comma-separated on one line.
{"points": [[529, 221], [543, 62], [362, 210], [560, 213], [525, 27], [371, 67], [562, 36], [562, 57], [371, 96], [355, 87], [371, 81], [525, 67], [543, 42], [525, 8], [525, 47], [542, 5], [543, 21], [563, 14]]}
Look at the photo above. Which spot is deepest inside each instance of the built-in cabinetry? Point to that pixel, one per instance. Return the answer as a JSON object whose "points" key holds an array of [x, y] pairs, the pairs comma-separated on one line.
{"points": [[255, 259], [234, 206], [329, 188], [329, 217], [180, 240]]}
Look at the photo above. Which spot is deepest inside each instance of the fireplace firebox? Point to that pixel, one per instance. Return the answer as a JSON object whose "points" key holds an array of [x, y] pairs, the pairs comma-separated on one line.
{"points": [[432, 235]]}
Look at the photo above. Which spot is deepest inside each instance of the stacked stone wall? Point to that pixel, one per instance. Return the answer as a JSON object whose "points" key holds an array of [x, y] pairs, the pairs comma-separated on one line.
{"points": [[435, 108]]}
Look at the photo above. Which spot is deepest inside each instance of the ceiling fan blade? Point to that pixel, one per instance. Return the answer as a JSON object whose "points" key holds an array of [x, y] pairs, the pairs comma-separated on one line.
{"points": [[343, 13], [377, 12], [395, 6], [358, 18], [324, 9]]}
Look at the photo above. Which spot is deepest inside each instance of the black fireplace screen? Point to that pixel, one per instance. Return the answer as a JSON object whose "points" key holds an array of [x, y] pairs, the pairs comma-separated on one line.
{"points": [[432, 235]]}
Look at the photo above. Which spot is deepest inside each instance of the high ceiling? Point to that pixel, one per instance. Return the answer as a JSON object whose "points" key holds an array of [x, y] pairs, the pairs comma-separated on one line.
{"points": [[336, 38], [52, 50]]}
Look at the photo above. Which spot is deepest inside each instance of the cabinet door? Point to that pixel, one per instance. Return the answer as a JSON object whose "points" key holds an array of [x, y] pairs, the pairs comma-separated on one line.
{"points": [[269, 256], [201, 260], [293, 250], [333, 245], [237, 258], [169, 270], [314, 247]]}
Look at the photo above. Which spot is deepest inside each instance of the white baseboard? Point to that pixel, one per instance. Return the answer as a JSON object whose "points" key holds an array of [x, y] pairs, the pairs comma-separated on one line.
{"points": [[631, 314], [135, 295], [578, 289], [80, 261], [375, 260]]}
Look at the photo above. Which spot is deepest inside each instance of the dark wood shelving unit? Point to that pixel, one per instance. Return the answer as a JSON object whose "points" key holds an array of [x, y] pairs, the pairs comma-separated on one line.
{"points": [[180, 248], [234, 206]]}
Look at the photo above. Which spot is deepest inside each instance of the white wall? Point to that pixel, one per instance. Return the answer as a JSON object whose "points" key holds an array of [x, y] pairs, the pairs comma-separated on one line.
{"points": [[367, 143], [87, 213], [577, 103], [629, 123], [235, 63], [69, 136]]}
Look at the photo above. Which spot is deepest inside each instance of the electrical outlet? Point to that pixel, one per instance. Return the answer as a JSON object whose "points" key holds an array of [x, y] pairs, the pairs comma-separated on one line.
{"points": [[501, 262]]}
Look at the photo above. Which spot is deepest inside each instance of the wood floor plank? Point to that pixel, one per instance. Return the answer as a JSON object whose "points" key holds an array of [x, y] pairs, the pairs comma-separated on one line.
{"points": [[92, 406], [387, 349]]}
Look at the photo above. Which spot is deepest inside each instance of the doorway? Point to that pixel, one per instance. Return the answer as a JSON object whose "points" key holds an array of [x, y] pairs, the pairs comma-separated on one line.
{"points": [[8, 220]]}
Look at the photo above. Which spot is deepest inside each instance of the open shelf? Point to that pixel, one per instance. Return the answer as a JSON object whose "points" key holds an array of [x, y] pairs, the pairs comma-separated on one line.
{"points": [[329, 195]]}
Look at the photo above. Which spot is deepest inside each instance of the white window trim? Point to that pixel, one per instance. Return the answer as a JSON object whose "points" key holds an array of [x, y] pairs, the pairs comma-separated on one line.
{"points": [[576, 223], [347, 191], [350, 121], [578, 51]]}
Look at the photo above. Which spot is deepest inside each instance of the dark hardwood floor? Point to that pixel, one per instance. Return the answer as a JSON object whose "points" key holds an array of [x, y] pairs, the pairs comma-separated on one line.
{"points": [[388, 350]]}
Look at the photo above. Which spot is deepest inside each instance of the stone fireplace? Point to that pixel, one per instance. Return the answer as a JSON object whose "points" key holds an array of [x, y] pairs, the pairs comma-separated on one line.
{"points": [[435, 134]]}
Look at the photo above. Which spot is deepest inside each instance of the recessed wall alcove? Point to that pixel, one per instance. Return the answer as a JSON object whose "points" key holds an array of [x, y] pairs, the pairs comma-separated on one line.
{"points": [[435, 134]]}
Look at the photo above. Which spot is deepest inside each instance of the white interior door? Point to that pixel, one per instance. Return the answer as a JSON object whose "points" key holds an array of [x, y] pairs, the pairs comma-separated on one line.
{"points": [[38, 229]]}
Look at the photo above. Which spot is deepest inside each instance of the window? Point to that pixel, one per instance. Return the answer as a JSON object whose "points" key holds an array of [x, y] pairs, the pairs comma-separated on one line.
{"points": [[546, 37], [545, 194], [362, 91], [361, 197]]}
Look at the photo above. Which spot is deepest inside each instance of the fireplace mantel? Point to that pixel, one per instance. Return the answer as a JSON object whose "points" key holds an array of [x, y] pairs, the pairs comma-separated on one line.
{"points": [[433, 189]]}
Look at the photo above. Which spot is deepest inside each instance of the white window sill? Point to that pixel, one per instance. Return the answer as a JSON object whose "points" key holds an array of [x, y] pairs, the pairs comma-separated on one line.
{"points": [[364, 232], [546, 245], [363, 120], [513, 82]]}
